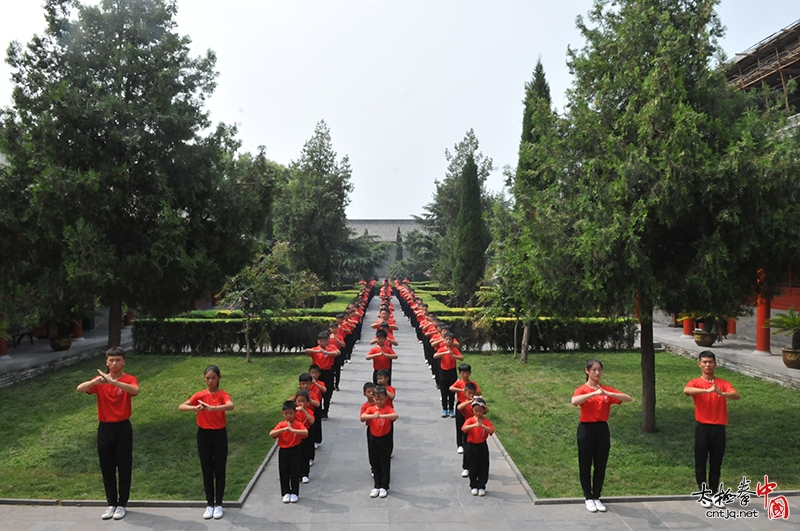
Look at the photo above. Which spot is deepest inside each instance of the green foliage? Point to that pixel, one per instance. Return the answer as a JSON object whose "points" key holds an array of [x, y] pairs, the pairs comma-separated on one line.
{"points": [[471, 237], [116, 193], [360, 258], [787, 323], [48, 448], [422, 251], [398, 246], [311, 211]]}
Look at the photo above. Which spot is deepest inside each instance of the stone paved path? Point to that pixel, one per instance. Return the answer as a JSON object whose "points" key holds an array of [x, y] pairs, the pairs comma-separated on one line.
{"points": [[427, 491]]}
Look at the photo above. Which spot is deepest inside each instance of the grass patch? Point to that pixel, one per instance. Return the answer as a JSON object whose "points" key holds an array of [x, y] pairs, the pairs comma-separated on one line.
{"points": [[48, 446], [531, 410]]}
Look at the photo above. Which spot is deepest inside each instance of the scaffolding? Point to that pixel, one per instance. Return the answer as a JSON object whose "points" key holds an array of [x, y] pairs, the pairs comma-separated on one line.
{"points": [[771, 62]]}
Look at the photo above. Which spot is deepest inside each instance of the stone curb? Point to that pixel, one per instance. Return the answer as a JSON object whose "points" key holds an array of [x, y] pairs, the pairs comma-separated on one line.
{"points": [[514, 469], [643, 499]]}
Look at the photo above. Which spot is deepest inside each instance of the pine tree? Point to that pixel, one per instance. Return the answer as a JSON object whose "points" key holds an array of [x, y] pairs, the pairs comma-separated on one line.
{"points": [[398, 245], [471, 236]]}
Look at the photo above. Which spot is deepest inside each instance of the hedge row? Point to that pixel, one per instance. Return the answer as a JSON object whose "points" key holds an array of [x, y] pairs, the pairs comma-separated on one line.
{"points": [[207, 336], [548, 335]]}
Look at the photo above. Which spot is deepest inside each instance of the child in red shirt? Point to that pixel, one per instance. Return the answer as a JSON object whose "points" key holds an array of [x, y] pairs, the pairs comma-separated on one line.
{"points": [[323, 356], [383, 379], [369, 394], [316, 392], [478, 429], [212, 438], [710, 395], [381, 356], [305, 415], [448, 354], [594, 439], [464, 372], [464, 409], [379, 419], [289, 432]]}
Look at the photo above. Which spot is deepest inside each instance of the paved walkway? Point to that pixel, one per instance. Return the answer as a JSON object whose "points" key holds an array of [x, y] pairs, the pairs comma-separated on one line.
{"points": [[427, 491]]}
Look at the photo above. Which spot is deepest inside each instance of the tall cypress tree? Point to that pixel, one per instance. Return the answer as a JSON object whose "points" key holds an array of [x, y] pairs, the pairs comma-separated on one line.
{"points": [[398, 246], [471, 236]]}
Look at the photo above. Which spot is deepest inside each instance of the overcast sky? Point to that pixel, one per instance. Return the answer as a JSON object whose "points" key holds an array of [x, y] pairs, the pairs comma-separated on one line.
{"points": [[396, 82]]}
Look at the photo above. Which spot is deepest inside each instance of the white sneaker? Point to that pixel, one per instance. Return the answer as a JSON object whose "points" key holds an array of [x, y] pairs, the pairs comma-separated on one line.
{"points": [[600, 506], [305, 479], [316, 446], [474, 492], [208, 513], [310, 462], [294, 498], [460, 450], [590, 506], [465, 473], [481, 492], [374, 493], [217, 512], [109, 513], [719, 504], [287, 498], [705, 504], [382, 493], [119, 513]]}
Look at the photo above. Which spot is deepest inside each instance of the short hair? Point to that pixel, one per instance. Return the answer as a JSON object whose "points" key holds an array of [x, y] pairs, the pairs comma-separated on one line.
{"points": [[368, 385], [381, 333], [449, 335], [289, 405], [323, 335], [314, 367], [380, 390], [305, 377], [382, 372], [706, 354], [303, 393], [471, 386], [340, 316], [465, 367], [115, 351], [214, 369]]}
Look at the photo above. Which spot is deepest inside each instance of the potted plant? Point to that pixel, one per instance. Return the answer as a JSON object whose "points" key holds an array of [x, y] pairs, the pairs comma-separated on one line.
{"points": [[789, 324]]}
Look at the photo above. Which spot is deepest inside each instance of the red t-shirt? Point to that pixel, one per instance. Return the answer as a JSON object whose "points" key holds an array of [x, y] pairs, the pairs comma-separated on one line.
{"points": [[389, 399], [210, 420], [322, 358], [113, 404], [364, 407], [477, 435], [315, 393], [460, 395], [381, 362], [466, 411], [448, 361], [379, 427], [711, 408], [597, 408], [305, 415], [288, 439]]}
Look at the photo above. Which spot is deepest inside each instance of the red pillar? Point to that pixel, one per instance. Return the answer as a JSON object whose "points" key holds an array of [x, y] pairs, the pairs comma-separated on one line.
{"points": [[762, 334], [77, 329], [688, 327], [128, 318], [3, 347], [731, 327]]}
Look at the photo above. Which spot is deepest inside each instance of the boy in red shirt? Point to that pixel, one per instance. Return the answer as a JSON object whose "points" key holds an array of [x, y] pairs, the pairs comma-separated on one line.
{"points": [[710, 395], [478, 429], [289, 432], [383, 379], [448, 354], [381, 356], [464, 371], [304, 414], [114, 391], [369, 394], [464, 409], [323, 355], [379, 419]]}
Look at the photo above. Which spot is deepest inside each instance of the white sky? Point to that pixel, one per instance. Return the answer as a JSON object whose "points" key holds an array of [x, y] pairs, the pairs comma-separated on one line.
{"points": [[396, 82]]}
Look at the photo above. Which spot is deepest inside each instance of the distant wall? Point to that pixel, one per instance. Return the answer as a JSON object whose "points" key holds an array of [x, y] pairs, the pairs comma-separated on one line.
{"points": [[386, 231]]}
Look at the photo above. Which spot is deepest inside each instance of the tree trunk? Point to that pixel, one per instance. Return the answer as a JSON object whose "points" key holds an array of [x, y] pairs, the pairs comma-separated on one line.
{"points": [[115, 321], [526, 336], [648, 369], [516, 326], [247, 338]]}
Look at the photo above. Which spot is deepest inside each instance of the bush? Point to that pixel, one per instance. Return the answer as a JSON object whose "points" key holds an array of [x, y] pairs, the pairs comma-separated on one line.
{"points": [[207, 336], [548, 334]]}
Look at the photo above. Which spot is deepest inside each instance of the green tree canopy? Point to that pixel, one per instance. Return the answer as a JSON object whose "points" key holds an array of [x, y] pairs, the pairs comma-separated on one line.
{"points": [[109, 167], [471, 236]]}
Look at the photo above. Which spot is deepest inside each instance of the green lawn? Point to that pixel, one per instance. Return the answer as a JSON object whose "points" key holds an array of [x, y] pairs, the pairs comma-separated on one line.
{"points": [[530, 408], [48, 445]]}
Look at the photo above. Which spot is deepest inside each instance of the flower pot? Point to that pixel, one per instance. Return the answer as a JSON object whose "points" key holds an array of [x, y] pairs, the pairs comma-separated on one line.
{"points": [[59, 343], [791, 358], [704, 339]]}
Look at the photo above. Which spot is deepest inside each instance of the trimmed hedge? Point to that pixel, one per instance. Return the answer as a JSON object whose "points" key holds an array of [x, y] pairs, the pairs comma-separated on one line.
{"points": [[209, 336], [548, 334]]}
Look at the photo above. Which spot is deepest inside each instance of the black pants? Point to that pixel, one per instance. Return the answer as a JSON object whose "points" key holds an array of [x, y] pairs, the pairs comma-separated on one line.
{"points": [[306, 452], [337, 370], [461, 437], [594, 444], [709, 445], [115, 450], [212, 447], [477, 459], [326, 376], [381, 452], [289, 469], [315, 432], [446, 379]]}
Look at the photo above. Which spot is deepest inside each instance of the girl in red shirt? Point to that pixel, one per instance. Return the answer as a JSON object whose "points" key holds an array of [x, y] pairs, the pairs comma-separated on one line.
{"points": [[594, 440], [212, 438]]}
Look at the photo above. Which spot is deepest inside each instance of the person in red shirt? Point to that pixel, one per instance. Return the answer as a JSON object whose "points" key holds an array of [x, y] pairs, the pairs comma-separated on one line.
{"points": [[212, 437], [305, 415], [382, 378], [369, 394], [379, 419], [114, 391], [478, 429], [381, 356], [448, 355], [464, 372], [464, 408], [316, 393], [594, 439], [289, 432], [323, 355], [710, 395]]}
